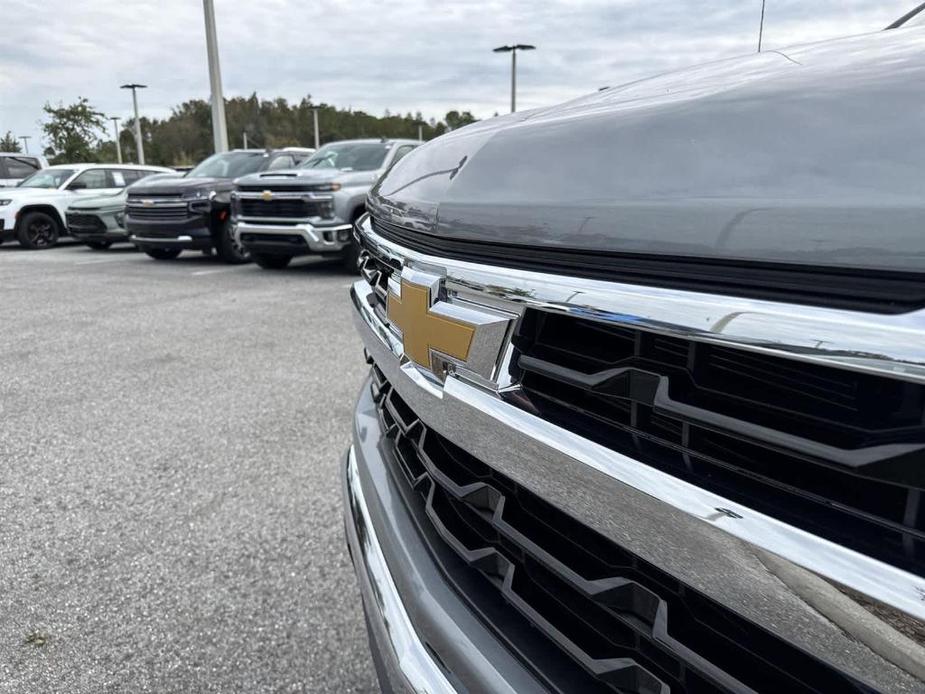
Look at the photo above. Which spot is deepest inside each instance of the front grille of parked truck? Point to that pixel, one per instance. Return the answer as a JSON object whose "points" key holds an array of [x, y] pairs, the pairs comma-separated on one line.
{"points": [[158, 208], [819, 441], [281, 208], [86, 223]]}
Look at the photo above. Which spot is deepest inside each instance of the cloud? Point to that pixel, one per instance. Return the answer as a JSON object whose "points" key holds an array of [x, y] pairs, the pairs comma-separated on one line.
{"points": [[412, 55]]}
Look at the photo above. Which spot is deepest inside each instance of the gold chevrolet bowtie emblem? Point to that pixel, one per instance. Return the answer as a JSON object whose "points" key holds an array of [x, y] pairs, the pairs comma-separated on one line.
{"points": [[267, 195], [424, 330]]}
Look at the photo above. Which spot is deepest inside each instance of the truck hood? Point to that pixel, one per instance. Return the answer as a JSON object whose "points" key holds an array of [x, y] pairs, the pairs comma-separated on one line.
{"points": [[179, 185], [810, 155], [299, 177]]}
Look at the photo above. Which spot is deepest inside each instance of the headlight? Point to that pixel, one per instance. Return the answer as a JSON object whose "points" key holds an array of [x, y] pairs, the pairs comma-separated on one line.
{"points": [[4, 203], [328, 187], [194, 195]]}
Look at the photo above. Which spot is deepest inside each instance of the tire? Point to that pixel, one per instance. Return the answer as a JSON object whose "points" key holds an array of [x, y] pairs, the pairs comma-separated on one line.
{"points": [[271, 262], [228, 249], [38, 230], [351, 258], [163, 253], [98, 245]]}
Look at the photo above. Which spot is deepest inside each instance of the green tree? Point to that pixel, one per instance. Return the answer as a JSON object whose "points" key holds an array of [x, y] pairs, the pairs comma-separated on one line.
{"points": [[8, 143], [72, 132], [455, 119]]}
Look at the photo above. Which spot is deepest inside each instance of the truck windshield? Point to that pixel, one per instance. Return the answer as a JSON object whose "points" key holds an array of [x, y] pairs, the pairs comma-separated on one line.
{"points": [[229, 165], [47, 178], [349, 156]]}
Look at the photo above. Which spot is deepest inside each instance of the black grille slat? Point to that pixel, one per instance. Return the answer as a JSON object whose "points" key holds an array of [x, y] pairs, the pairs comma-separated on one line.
{"points": [[85, 222], [621, 619], [829, 450], [278, 208], [155, 213]]}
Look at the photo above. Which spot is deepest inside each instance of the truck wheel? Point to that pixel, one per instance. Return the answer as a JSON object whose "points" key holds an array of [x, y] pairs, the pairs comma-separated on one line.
{"points": [[163, 253], [38, 230], [271, 262], [351, 258], [228, 248], [98, 245]]}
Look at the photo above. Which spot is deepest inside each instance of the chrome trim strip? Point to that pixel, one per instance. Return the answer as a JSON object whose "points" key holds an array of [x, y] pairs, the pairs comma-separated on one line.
{"points": [[148, 239], [312, 196], [159, 202], [891, 345], [417, 666]]}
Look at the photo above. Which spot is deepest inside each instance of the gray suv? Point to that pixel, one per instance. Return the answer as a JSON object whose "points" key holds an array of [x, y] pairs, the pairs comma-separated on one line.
{"points": [[278, 215]]}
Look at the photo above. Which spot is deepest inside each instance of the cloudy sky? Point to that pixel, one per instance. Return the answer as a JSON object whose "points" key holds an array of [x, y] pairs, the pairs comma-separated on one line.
{"points": [[402, 55]]}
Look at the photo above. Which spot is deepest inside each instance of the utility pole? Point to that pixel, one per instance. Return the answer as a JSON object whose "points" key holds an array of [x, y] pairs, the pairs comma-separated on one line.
{"points": [[317, 132], [25, 141], [244, 139], [139, 144], [115, 128], [219, 128], [420, 132], [513, 51], [761, 26]]}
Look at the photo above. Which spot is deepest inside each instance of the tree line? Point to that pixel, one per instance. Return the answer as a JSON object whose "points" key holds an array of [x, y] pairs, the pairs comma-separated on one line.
{"points": [[78, 132]]}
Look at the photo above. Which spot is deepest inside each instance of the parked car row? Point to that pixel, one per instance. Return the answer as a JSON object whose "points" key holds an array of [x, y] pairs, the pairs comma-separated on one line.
{"points": [[259, 205], [34, 213], [269, 206]]}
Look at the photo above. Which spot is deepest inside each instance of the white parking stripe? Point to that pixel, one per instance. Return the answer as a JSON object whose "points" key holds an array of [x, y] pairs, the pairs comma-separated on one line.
{"points": [[212, 272], [100, 260]]}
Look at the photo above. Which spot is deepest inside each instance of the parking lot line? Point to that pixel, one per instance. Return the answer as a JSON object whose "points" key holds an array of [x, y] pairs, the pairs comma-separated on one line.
{"points": [[100, 260], [213, 272]]}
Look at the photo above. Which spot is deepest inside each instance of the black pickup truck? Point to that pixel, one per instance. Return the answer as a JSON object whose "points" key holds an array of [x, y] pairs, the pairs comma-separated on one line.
{"points": [[192, 212]]}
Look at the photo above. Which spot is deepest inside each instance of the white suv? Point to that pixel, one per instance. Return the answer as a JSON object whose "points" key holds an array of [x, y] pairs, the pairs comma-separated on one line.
{"points": [[15, 166], [33, 212]]}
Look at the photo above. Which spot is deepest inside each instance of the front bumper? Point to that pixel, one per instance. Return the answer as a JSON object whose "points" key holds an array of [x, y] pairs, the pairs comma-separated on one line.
{"points": [[7, 225], [424, 637], [293, 239], [193, 233]]}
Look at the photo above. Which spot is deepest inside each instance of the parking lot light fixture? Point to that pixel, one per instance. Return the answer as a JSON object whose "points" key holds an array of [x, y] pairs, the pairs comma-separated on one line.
{"points": [[139, 145], [115, 128], [513, 51]]}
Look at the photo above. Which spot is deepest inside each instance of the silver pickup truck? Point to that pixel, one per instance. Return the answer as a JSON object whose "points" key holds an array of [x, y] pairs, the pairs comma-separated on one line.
{"points": [[278, 215]]}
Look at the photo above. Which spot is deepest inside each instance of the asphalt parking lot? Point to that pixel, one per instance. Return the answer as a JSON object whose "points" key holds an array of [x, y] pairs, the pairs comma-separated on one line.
{"points": [[170, 508]]}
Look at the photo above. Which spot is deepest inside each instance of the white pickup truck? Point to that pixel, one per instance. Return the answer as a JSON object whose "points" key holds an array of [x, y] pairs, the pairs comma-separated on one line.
{"points": [[33, 212]]}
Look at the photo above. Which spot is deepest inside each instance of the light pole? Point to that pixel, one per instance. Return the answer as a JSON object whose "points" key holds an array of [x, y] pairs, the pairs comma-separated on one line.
{"points": [[219, 128], [139, 145], [317, 132], [115, 128], [761, 26], [25, 141], [513, 51]]}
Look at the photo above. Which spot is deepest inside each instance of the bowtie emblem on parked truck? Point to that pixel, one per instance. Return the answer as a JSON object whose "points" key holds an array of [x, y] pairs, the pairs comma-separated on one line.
{"points": [[436, 332]]}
